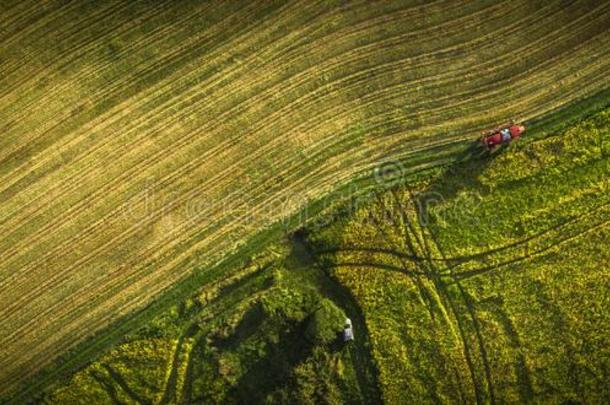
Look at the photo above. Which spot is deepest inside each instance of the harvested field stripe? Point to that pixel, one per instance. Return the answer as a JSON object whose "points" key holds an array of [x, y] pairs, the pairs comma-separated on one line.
{"points": [[306, 76]]}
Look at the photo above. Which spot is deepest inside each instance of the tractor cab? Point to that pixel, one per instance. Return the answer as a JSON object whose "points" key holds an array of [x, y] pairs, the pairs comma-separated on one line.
{"points": [[502, 135]]}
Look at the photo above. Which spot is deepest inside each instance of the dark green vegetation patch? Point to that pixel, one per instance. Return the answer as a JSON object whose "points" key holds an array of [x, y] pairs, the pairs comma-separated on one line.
{"points": [[271, 332]]}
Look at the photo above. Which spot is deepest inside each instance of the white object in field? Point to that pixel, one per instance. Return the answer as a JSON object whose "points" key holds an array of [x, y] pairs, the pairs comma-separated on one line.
{"points": [[348, 332]]}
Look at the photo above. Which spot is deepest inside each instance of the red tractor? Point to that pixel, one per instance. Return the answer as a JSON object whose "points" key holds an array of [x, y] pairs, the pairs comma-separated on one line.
{"points": [[502, 135]]}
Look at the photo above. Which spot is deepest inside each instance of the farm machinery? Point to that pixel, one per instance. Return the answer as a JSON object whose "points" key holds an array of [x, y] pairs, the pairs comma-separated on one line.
{"points": [[501, 135]]}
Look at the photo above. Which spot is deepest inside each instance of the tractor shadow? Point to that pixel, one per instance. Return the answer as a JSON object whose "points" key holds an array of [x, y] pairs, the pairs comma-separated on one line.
{"points": [[463, 175]]}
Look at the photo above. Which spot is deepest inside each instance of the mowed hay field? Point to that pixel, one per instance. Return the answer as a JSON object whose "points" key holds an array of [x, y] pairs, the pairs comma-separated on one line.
{"points": [[142, 140]]}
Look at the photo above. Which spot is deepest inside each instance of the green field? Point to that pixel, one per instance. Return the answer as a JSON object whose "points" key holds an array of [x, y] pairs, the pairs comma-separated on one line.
{"points": [[150, 151], [489, 282]]}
